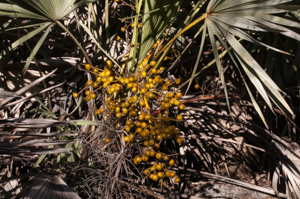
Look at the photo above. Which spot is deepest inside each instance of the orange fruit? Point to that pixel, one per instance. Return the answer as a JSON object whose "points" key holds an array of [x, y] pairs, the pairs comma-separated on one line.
{"points": [[179, 140], [179, 117], [159, 166], [177, 180], [89, 82], [172, 174], [127, 139], [109, 64], [155, 177], [143, 74], [158, 156], [87, 66], [75, 95], [160, 174]]}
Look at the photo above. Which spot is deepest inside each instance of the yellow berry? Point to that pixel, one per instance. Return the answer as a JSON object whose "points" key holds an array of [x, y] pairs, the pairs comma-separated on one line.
{"points": [[123, 29], [118, 115], [179, 140], [154, 71], [109, 64], [146, 171], [150, 95], [107, 73], [97, 112], [134, 89], [167, 173], [160, 174], [152, 153], [165, 158], [145, 158], [197, 86], [117, 109], [93, 96], [127, 128], [177, 180], [158, 137], [181, 107], [127, 139], [105, 85], [152, 63], [126, 80], [75, 95], [155, 177], [158, 156], [178, 81], [132, 25], [87, 66], [107, 140], [110, 78], [145, 133], [96, 70], [102, 74], [88, 98], [179, 117], [143, 74], [144, 125], [148, 117], [159, 167], [138, 159], [131, 136], [118, 38], [87, 92], [151, 142], [147, 153], [176, 102], [171, 162], [89, 82], [172, 174], [138, 130], [125, 110], [95, 84], [146, 143], [178, 95], [142, 102]]}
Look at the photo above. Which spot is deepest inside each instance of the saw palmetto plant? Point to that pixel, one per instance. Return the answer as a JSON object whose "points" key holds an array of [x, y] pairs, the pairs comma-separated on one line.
{"points": [[127, 98]]}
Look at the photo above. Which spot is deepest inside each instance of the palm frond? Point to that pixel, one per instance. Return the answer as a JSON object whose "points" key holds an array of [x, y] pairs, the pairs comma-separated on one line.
{"points": [[48, 187], [156, 18]]}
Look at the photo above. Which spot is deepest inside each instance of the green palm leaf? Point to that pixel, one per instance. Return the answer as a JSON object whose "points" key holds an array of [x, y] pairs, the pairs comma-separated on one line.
{"points": [[43, 13], [155, 23], [228, 16], [227, 20]]}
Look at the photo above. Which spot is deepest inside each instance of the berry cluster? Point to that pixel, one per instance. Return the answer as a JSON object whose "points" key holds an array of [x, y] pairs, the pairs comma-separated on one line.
{"points": [[142, 104]]}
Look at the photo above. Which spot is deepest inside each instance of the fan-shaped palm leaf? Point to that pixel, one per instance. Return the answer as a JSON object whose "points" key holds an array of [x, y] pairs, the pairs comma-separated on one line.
{"points": [[156, 18], [42, 15], [228, 20]]}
